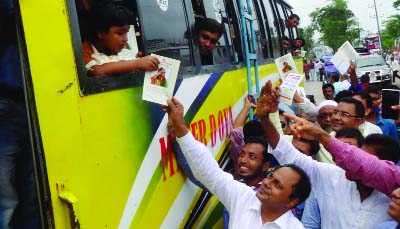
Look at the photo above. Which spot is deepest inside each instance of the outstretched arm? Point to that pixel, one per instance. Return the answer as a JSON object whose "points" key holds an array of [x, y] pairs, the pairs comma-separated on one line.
{"points": [[147, 63], [360, 165], [268, 103]]}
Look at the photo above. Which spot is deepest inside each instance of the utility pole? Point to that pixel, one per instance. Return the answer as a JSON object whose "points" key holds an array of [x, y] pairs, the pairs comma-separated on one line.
{"points": [[379, 29]]}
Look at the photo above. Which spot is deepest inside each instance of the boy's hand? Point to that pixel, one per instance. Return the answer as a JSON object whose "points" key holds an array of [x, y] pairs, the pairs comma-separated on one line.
{"points": [[268, 101], [148, 63]]}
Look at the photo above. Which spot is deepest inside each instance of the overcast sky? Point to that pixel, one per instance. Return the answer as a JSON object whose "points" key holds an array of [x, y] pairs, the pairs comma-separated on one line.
{"points": [[363, 10]]}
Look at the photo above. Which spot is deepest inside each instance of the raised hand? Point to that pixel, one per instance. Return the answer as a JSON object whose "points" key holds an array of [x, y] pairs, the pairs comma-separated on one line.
{"points": [[268, 101], [175, 116], [302, 128]]}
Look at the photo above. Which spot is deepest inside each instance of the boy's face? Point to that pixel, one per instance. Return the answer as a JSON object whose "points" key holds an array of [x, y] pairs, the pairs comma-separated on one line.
{"points": [[114, 40], [207, 41]]}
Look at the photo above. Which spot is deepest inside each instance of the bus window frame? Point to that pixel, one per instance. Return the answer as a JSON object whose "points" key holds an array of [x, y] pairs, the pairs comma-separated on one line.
{"points": [[97, 84], [278, 24]]}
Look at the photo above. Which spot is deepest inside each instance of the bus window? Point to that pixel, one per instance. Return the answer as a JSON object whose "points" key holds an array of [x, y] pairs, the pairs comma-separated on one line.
{"points": [[164, 26], [223, 51], [264, 33], [93, 52], [273, 31]]}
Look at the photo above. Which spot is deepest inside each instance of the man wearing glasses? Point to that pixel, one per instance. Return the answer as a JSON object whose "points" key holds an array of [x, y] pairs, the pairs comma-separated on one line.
{"points": [[208, 33]]}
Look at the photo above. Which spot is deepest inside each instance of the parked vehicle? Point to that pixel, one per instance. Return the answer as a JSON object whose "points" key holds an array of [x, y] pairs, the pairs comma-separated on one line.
{"points": [[375, 67]]}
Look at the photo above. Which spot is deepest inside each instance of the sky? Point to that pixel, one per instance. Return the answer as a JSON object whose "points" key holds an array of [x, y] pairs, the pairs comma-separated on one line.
{"points": [[363, 9]]}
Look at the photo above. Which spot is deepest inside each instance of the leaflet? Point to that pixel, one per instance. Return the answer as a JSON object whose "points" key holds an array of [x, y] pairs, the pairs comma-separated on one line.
{"points": [[343, 56], [289, 87], [285, 65], [159, 85]]}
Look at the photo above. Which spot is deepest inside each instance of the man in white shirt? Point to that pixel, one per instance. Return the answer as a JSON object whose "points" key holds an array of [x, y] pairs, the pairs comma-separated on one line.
{"points": [[269, 207], [343, 203]]}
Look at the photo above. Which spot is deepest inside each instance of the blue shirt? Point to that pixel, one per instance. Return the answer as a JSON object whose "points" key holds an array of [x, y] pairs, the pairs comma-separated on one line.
{"points": [[387, 126], [356, 89], [388, 225], [311, 218]]}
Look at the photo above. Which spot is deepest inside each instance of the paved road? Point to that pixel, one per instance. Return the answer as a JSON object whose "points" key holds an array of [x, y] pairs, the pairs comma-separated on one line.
{"points": [[315, 88]]}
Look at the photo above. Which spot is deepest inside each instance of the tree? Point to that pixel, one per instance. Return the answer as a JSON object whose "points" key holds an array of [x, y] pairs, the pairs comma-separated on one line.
{"points": [[336, 23], [396, 4], [391, 32]]}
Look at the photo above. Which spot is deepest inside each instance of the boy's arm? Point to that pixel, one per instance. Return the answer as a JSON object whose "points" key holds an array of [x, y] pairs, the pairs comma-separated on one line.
{"points": [[147, 63]]}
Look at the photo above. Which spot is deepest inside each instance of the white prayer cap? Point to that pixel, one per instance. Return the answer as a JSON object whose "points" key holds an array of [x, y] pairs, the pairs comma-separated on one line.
{"points": [[326, 103]]}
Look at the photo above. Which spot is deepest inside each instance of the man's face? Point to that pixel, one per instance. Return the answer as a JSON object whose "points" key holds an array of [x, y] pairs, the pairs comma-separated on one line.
{"points": [[250, 161], [292, 22], [328, 93], [277, 188], [376, 100], [207, 41], [394, 206], [286, 44], [345, 116], [325, 116], [298, 43], [114, 40]]}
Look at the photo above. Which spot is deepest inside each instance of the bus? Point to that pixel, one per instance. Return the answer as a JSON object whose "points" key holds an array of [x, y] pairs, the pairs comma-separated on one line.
{"points": [[103, 156]]}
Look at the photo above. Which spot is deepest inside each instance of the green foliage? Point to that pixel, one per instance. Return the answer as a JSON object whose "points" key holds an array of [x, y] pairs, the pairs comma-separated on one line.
{"points": [[307, 34], [336, 23], [396, 4], [391, 32]]}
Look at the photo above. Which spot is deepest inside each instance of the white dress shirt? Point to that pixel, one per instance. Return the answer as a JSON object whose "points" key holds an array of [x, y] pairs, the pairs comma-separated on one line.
{"points": [[338, 198], [367, 128], [239, 199]]}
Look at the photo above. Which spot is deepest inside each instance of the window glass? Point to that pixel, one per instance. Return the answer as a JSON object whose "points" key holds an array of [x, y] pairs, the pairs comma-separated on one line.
{"points": [[164, 26], [273, 31], [282, 18], [215, 9]]}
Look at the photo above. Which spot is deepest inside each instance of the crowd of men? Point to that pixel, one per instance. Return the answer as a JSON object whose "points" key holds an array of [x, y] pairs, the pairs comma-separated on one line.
{"points": [[304, 166]]}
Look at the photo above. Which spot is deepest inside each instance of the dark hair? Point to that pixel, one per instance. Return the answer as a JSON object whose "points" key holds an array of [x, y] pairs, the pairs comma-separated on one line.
{"points": [[364, 96], [343, 94], [105, 14], [328, 85], [294, 16], [385, 146], [209, 24], [364, 78], [349, 132], [335, 76], [360, 111], [315, 147], [267, 157], [302, 189], [253, 128], [373, 89], [285, 38]]}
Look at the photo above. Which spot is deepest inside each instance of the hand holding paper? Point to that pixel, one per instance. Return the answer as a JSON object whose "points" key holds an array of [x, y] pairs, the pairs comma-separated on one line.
{"points": [[343, 57]]}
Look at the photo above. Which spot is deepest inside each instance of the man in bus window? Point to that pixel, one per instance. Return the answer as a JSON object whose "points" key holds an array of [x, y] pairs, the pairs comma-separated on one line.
{"points": [[292, 21], [105, 52], [208, 32]]}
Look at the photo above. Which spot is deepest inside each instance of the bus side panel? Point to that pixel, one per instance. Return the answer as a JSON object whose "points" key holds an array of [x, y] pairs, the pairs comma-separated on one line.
{"points": [[103, 149]]}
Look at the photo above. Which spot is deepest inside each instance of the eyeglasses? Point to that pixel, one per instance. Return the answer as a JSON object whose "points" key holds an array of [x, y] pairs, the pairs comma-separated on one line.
{"points": [[343, 114], [208, 38], [325, 115]]}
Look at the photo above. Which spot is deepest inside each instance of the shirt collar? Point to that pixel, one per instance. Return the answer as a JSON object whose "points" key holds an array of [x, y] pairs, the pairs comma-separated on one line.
{"points": [[379, 118], [282, 221]]}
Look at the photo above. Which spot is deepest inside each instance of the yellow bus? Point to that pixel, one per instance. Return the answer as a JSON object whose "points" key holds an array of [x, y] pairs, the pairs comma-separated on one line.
{"points": [[103, 156]]}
